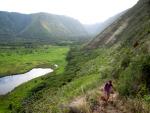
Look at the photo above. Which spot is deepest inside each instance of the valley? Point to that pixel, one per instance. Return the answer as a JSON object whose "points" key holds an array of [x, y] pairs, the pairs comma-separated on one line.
{"points": [[41, 28], [120, 52], [18, 60], [21, 59]]}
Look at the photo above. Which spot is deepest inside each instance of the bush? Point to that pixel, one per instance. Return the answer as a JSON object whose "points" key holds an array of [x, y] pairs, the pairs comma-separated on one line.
{"points": [[130, 79], [146, 73], [147, 98], [125, 82], [38, 88], [125, 61]]}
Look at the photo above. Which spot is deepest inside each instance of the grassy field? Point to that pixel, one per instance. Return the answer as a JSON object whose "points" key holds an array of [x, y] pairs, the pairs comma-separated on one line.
{"points": [[87, 70], [20, 60], [45, 94], [62, 88]]}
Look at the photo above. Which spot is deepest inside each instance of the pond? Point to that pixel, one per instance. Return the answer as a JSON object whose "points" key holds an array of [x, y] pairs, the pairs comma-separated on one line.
{"points": [[8, 83]]}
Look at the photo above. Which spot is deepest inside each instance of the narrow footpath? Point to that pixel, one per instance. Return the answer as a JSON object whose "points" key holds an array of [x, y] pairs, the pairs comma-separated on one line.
{"points": [[114, 105]]}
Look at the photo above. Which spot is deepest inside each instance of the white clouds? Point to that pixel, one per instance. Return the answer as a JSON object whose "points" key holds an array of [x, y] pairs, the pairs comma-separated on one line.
{"points": [[87, 11]]}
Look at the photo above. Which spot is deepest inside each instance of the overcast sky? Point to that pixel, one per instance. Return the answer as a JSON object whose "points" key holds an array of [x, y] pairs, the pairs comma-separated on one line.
{"points": [[86, 11]]}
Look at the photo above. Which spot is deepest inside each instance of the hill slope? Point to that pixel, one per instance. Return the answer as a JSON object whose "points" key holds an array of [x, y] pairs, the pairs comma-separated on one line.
{"points": [[39, 27], [131, 27], [121, 53], [95, 29], [127, 42]]}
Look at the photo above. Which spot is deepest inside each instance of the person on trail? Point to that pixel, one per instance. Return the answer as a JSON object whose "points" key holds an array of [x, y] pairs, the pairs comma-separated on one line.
{"points": [[107, 90]]}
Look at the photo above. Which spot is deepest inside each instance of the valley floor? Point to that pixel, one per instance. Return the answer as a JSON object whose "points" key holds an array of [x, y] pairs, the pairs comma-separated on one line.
{"points": [[20, 60], [16, 60], [79, 78]]}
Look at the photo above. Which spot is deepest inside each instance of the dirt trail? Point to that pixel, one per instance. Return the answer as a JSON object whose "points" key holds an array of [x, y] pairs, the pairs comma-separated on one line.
{"points": [[109, 107], [79, 104]]}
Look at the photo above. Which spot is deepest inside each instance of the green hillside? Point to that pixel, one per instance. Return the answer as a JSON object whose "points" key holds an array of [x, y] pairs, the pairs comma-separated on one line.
{"points": [[39, 27], [132, 27], [120, 53], [97, 28]]}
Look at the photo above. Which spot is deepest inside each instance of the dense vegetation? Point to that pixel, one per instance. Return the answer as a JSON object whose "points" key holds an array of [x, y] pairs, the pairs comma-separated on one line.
{"points": [[39, 27], [61, 88], [130, 37], [87, 69], [121, 53], [23, 59]]}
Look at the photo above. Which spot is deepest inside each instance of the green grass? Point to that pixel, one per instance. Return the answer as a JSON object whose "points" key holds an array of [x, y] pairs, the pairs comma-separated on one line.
{"points": [[51, 102], [73, 82], [78, 87], [15, 97], [20, 60], [84, 71], [39, 57]]}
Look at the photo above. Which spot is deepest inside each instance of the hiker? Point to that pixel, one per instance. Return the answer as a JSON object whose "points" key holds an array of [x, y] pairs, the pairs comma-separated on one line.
{"points": [[107, 90]]}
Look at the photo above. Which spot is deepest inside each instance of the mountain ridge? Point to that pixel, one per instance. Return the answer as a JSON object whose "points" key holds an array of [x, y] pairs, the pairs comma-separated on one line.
{"points": [[38, 27]]}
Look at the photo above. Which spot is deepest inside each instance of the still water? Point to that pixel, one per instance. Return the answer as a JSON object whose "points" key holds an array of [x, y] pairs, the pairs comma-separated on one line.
{"points": [[8, 83]]}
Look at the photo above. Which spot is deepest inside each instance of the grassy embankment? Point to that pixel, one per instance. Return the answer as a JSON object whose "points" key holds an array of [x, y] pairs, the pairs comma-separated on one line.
{"points": [[87, 69], [76, 80], [22, 59]]}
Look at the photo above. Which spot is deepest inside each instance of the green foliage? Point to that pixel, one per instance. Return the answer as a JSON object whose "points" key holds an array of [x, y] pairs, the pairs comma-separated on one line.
{"points": [[85, 70], [125, 59], [40, 28], [63, 87], [133, 76], [20, 59], [147, 98], [38, 88], [51, 55]]}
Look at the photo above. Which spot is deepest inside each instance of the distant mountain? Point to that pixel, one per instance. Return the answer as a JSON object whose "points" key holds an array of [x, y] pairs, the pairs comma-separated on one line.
{"points": [[95, 29], [39, 27], [120, 53], [130, 28]]}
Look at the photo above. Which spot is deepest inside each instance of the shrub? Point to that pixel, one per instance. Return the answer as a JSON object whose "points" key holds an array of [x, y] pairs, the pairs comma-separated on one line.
{"points": [[137, 106], [147, 98], [130, 79], [38, 88], [146, 73], [125, 61]]}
